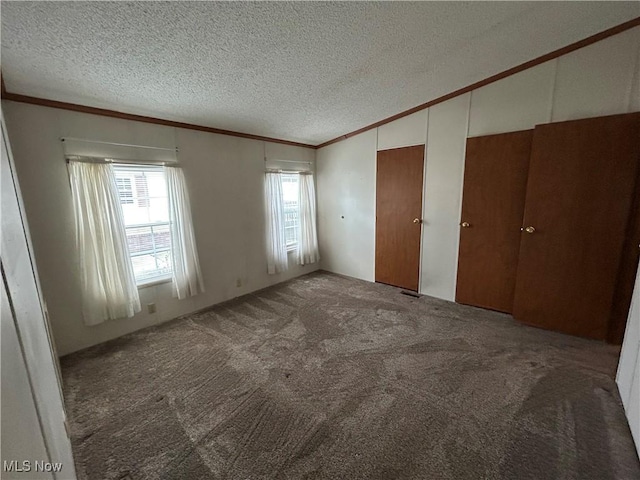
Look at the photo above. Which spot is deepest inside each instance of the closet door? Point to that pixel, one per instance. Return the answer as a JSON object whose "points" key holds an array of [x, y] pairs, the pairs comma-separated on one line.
{"points": [[495, 184], [399, 216], [577, 210]]}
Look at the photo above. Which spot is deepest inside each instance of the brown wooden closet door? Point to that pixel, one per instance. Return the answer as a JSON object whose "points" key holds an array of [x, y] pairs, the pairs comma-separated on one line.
{"points": [[579, 195], [627, 273], [495, 185], [398, 216]]}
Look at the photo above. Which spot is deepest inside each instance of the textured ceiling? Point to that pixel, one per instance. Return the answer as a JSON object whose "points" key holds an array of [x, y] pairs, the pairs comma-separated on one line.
{"points": [[301, 71]]}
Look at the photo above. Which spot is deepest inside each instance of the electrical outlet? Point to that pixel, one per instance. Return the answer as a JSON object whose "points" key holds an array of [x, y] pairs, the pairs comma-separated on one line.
{"points": [[151, 307], [239, 282]]}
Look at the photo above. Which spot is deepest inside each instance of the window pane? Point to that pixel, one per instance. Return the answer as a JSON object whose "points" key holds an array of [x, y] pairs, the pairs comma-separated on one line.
{"points": [[139, 240], [142, 189], [158, 209], [124, 190], [291, 222], [162, 236], [149, 238], [290, 187], [145, 206], [150, 266]]}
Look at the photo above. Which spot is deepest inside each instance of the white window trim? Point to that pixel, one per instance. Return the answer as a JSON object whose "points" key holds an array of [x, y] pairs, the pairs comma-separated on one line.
{"points": [[152, 282]]}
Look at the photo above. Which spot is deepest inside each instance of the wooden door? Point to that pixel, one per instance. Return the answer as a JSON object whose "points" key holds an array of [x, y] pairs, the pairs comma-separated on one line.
{"points": [[495, 185], [627, 273], [579, 196], [398, 216]]}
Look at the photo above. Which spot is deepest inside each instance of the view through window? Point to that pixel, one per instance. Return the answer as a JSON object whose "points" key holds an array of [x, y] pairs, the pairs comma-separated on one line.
{"points": [[290, 185], [145, 205]]}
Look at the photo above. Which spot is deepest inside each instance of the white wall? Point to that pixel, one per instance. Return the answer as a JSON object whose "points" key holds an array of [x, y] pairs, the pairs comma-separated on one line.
{"points": [[225, 179], [33, 415], [346, 178], [600, 79], [597, 80], [518, 102], [446, 144], [628, 377], [404, 132]]}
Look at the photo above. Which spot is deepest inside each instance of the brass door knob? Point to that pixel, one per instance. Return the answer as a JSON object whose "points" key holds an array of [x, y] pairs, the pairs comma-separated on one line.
{"points": [[528, 229], [465, 224], [416, 220]]}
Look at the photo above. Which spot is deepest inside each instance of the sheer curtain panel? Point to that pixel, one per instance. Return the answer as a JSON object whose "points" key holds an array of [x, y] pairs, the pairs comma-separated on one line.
{"points": [[276, 243], [108, 285], [187, 277], [308, 235]]}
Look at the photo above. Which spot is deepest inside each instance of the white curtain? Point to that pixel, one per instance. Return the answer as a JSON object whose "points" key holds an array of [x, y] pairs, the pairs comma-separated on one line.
{"points": [[308, 234], [187, 277], [276, 243], [109, 288]]}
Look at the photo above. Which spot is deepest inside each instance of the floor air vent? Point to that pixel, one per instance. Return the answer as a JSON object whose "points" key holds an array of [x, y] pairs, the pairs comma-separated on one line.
{"points": [[410, 293]]}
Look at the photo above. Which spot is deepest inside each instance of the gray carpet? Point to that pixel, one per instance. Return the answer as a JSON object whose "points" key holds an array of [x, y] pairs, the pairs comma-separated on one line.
{"points": [[326, 377]]}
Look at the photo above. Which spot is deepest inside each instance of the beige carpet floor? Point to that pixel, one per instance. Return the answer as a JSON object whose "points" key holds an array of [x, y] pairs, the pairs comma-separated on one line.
{"points": [[325, 377]]}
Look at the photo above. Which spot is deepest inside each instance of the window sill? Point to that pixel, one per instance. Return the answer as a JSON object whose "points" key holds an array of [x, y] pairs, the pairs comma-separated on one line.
{"points": [[153, 282], [292, 248]]}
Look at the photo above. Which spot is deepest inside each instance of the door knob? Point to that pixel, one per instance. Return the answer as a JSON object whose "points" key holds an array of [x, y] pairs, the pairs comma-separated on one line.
{"points": [[416, 220], [528, 229], [465, 224]]}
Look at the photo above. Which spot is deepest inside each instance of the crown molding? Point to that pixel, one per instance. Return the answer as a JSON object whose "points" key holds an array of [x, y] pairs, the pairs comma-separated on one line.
{"points": [[494, 78], [159, 121], [14, 97]]}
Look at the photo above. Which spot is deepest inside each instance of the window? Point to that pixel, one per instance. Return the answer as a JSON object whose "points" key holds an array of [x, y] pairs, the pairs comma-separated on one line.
{"points": [[145, 206], [290, 185]]}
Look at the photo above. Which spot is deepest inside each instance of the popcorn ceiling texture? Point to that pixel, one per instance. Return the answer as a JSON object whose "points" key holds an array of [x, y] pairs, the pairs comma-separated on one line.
{"points": [[306, 72]]}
